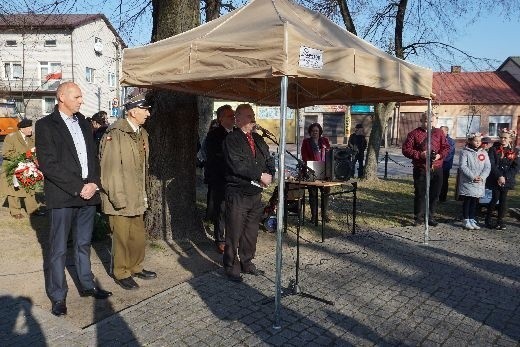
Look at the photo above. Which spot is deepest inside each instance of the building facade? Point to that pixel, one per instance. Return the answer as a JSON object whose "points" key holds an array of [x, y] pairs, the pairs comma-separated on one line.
{"points": [[467, 102], [38, 52]]}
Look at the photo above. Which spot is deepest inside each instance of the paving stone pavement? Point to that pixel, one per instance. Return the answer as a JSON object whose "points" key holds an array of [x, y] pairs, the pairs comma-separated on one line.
{"points": [[388, 288]]}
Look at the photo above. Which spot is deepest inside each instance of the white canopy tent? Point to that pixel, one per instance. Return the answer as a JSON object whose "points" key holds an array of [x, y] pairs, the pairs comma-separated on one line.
{"points": [[275, 52]]}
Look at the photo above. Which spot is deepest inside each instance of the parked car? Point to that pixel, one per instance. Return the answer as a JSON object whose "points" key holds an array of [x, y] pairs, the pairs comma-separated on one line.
{"points": [[8, 119]]}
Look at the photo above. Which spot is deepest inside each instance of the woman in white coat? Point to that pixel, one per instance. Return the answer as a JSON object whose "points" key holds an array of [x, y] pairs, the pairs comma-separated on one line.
{"points": [[474, 169]]}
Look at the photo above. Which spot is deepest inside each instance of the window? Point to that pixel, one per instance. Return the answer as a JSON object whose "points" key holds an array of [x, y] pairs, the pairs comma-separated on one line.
{"points": [[50, 71], [98, 46], [13, 70], [11, 43], [467, 125], [111, 79], [497, 123], [48, 104], [50, 43], [89, 74], [20, 106]]}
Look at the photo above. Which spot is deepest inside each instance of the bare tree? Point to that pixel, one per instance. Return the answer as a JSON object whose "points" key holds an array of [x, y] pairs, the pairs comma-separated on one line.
{"points": [[420, 29]]}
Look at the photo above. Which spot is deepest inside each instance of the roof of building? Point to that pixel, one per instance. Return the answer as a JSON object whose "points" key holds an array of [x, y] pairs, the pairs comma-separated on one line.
{"points": [[461, 88], [515, 60], [33, 21]]}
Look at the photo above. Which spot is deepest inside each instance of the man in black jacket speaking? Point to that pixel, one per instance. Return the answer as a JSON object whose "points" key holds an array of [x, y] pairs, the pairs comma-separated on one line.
{"points": [[249, 169]]}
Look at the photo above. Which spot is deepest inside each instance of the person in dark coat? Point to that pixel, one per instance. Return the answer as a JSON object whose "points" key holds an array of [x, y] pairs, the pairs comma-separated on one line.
{"points": [[67, 158], [249, 169], [99, 126], [358, 141], [505, 164], [215, 172], [447, 164]]}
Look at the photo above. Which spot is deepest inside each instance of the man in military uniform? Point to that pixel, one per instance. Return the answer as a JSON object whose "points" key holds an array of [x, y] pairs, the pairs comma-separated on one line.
{"points": [[15, 144], [124, 167]]}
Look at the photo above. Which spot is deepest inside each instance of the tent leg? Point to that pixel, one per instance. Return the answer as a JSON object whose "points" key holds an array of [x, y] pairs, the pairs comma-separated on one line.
{"points": [[428, 173], [280, 209]]}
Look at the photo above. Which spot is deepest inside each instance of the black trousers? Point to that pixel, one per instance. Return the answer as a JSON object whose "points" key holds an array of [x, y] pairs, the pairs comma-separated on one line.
{"points": [[361, 168], [445, 185], [313, 202], [499, 195], [218, 213], [79, 220], [243, 213], [469, 207], [419, 184]]}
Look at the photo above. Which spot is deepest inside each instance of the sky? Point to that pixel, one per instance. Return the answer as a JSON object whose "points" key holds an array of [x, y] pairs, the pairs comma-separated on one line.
{"points": [[492, 36]]}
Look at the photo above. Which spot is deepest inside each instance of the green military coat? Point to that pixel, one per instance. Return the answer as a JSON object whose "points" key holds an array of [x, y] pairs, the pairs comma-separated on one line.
{"points": [[14, 145]]}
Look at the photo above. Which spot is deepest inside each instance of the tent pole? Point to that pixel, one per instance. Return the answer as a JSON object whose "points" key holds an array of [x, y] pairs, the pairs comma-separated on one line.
{"points": [[428, 172], [298, 115], [280, 209]]}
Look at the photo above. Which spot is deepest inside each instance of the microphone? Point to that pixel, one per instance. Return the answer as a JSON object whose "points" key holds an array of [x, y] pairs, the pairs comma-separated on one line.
{"points": [[264, 131]]}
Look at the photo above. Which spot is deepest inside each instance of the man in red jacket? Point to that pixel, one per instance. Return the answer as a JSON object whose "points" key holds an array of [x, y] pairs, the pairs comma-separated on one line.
{"points": [[414, 148]]}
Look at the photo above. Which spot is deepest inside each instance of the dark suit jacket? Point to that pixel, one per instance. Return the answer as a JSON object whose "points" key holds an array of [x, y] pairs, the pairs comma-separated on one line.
{"points": [[59, 162], [242, 166], [215, 169]]}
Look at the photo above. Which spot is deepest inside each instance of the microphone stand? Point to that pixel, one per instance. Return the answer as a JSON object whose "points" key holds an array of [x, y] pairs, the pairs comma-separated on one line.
{"points": [[294, 287]]}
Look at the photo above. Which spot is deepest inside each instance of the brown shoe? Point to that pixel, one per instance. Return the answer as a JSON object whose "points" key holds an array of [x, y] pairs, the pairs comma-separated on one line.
{"points": [[17, 216]]}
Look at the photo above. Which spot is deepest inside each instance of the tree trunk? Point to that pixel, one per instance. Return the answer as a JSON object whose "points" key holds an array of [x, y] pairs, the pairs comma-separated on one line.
{"points": [[381, 115], [173, 129], [345, 15], [383, 112], [212, 11]]}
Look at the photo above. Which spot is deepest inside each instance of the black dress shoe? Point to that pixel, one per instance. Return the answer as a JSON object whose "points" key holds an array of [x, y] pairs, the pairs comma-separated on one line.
{"points": [[127, 283], [432, 222], [255, 272], [145, 275], [59, 308], [418, 222], [96, 293], [234, 278]]}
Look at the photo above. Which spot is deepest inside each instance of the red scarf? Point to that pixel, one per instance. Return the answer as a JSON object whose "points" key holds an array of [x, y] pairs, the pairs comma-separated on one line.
{"points": [[506, 152]]}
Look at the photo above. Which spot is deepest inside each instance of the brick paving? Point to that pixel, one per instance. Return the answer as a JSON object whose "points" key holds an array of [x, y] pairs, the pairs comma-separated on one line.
{"points": [[388, 289]]}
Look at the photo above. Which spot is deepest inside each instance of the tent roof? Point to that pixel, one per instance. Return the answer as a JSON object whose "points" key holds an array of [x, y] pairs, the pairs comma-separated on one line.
{"points": [[242, 56]]}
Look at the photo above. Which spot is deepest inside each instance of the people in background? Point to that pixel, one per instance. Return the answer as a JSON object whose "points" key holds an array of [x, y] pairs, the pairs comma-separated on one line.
{"points": [[358, 141], [201, 148], [67, 158], [249, 169], [414, 147], [505, 164], [314, 148], [215, 172], [15, 144], [123, 155], [486, 143], [99, 126], [447, 164], [474, 168]]}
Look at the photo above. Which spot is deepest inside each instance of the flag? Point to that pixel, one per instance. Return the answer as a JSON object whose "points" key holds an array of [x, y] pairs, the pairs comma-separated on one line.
{"points": [[53, 76]]}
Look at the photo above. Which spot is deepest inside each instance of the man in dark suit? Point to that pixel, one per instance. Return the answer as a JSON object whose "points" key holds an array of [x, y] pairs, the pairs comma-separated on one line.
{"points": [[215, 171], [358, 141], [67, 158], [250, 168]]}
